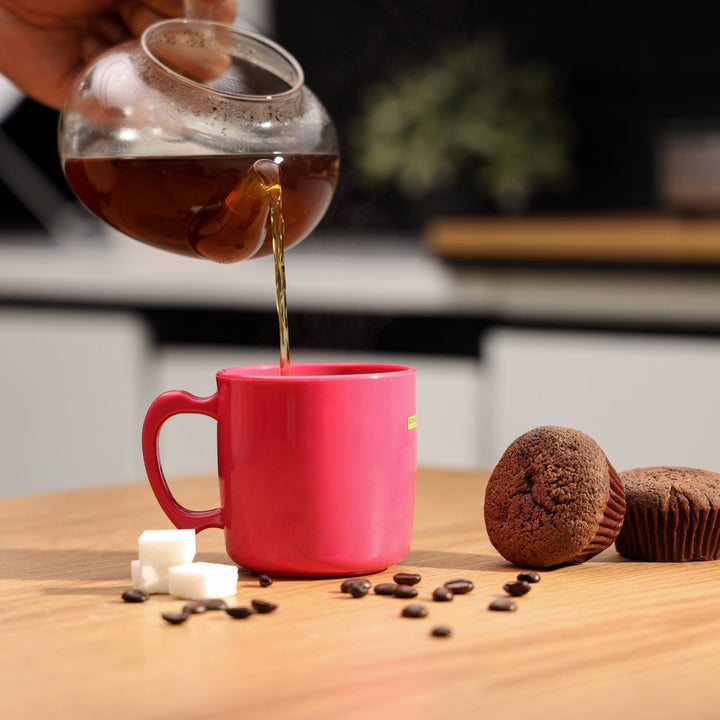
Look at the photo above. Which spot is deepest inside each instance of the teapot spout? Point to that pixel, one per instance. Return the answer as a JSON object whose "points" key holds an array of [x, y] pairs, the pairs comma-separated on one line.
{"points": [[268, 173], [234, 227]]}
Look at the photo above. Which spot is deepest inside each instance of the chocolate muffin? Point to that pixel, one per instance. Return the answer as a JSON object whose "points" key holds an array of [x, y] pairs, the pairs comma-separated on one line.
{"points": [[553, 499], [673, 514]]}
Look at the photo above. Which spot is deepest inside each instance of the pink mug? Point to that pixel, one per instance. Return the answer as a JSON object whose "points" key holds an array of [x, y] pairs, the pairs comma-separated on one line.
{"points": [[317, 468]]}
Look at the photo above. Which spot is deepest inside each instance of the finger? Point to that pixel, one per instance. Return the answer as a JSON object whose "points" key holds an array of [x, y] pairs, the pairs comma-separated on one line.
{"points": [[138, 17], [92, 45], [110, 28], [218, 10], [199, 64], [166, 8]]}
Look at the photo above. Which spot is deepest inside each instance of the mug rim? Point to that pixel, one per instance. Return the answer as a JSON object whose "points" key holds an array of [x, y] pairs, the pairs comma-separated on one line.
{"points": [[326, 372]]}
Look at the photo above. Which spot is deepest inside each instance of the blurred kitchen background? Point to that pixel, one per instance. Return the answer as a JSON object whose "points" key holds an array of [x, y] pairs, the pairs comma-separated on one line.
{"points": [[528, 212]]}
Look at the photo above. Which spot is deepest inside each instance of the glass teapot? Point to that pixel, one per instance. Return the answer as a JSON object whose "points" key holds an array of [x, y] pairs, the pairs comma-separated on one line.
{"points": [[175, 138]]}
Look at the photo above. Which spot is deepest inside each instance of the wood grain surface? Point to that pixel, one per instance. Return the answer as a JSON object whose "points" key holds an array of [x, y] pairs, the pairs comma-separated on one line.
{"points": [[610, 638]]}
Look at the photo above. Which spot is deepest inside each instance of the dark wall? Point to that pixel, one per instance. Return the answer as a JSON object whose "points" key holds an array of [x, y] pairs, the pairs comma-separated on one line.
{"points": [[627, 69], [33, 129]]}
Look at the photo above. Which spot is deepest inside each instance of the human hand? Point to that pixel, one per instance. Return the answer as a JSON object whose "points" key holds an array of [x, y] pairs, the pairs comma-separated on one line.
{"points": [[46, 44]]}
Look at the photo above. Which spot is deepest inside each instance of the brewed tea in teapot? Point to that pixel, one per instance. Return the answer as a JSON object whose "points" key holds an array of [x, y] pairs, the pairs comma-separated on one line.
{"points": [[160, 136]]}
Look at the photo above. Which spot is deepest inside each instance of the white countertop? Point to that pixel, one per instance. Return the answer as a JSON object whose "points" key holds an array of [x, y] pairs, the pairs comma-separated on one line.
{"points": [[352, 275]]}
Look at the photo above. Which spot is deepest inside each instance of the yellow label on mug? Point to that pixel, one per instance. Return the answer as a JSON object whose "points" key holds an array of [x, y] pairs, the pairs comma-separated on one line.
{"points": [[412, 422]]}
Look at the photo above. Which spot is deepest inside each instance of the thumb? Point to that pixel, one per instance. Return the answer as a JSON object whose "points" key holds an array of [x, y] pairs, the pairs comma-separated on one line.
{"points": [[219, 10]]}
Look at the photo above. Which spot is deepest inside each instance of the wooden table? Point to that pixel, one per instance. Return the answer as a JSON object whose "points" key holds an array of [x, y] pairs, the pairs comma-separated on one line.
{"points": [[607, 638]]}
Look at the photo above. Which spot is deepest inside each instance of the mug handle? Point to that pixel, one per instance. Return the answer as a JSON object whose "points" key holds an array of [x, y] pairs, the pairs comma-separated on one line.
{"points": [[175, 402]]}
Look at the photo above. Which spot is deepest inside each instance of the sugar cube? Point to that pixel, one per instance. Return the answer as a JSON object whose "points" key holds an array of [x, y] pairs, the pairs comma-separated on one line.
{"points": [[152, 579], [166, 547], [199, 580]]}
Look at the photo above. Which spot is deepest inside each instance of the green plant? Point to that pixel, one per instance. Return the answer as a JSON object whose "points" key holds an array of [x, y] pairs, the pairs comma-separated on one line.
{"points": [[470, 112]]}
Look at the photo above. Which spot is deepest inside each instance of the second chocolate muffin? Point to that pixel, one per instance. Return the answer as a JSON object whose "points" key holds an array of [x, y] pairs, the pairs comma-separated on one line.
{"points": [[553, 499], [673, 514]]}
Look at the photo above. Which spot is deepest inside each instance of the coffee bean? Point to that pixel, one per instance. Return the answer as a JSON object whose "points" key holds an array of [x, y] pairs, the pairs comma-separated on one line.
{"points": [[529, 576], [517, 588], [133, 595], [385, 588], [175, 618], [264, 580], [357, 587], [459, 586], [242, 611], [358, 590], [405, 591], [405, 578], [200, 606], [195, 608], [503, 604], [264, 606], [414, 611], [441, 631], [442, 594], [214, 604]]}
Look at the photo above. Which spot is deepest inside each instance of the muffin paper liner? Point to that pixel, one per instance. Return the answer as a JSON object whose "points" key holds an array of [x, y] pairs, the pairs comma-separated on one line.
{"points": [[670, 536], [611, 523]]}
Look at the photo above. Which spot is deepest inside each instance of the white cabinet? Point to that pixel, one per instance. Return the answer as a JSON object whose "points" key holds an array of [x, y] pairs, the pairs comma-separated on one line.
{"points": [[647, 400], [73, 387]]}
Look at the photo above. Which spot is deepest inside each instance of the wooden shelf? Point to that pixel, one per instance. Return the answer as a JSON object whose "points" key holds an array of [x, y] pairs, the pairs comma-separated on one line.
{"points": [[585, 239]]}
